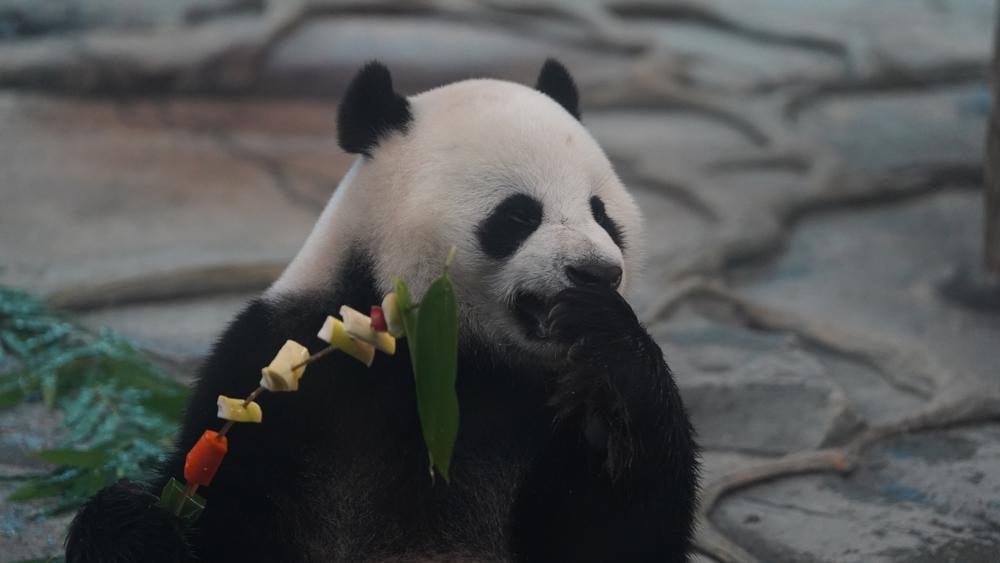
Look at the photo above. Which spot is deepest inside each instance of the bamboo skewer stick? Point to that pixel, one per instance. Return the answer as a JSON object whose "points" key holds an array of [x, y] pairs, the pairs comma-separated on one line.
{"points": [[257, 392]]}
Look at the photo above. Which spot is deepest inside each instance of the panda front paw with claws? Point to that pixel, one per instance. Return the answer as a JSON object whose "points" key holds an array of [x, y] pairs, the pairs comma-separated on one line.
{"points": [[609, 358], [620, 434]]}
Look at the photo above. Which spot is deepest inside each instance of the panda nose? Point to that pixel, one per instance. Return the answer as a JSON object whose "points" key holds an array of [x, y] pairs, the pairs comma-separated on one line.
{"points": [[595, 274]]}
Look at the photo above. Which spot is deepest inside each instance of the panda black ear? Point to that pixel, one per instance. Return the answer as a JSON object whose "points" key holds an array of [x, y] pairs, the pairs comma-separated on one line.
{"points": [[554, 81], [370, 110]]}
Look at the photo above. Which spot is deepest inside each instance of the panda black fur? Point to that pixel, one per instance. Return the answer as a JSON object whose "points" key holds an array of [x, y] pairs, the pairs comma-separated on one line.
{"points": [[574, 444]]}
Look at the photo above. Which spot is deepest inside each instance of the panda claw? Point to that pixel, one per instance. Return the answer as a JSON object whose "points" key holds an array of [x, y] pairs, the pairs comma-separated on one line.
{"points": [[600, 316]]}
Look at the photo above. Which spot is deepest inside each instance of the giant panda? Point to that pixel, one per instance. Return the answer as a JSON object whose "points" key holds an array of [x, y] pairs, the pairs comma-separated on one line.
{"points": [[574, 444]]}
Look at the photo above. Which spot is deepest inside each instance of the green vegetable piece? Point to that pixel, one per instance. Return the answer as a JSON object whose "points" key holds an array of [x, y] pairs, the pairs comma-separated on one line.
{"points": [[436, 365], [170, 494], [190, 509]]}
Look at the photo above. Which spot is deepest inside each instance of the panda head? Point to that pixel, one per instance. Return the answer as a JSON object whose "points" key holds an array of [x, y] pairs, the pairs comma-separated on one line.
{"points": [[504, 172]]}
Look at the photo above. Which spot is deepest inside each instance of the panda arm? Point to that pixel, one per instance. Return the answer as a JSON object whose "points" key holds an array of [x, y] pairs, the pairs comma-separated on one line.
{"points": [[618, 480]]}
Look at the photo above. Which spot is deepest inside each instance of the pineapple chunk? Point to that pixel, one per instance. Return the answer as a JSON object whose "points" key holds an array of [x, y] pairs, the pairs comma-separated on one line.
{"points": [[393, 318], [359, 325], [233, 409], [333, 331], [279, 376]]}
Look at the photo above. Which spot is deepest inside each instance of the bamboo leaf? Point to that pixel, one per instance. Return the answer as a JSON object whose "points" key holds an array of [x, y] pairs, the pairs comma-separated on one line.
{"points": [[435, 365], [119, 410], [11, 397], [74, 458], [167, 405], [36, 488]]}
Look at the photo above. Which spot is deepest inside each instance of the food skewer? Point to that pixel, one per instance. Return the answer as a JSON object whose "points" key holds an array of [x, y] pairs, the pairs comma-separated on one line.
{"points": [[357, 335]]}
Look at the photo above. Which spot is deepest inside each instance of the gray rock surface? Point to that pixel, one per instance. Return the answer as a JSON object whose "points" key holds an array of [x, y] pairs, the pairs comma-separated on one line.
{"points": [[920, 498], [943, 125], [879, 269], [98, 191], [809, 173]]}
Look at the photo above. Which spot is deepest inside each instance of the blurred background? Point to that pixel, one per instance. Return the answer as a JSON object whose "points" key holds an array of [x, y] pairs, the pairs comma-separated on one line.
{"points": [[811, 173]]}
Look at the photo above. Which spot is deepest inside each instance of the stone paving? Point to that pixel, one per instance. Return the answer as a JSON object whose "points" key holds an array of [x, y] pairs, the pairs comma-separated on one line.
{"points": [[810, 174]]}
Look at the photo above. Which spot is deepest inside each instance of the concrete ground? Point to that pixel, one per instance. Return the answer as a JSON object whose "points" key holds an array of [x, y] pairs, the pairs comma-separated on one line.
{"points": [[810, 174]]}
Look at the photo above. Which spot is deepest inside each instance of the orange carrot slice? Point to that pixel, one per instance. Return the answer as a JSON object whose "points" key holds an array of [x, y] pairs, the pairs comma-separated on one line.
{"points": [[205, 457]]}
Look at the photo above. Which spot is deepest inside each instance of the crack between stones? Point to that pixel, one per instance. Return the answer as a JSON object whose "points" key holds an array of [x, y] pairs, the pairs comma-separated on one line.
{"points": [[281, 177], [699, 14], [905, 370], [824, 189], [790, 507], [236, 66], [828, 191], [678, 191], [648, 89], [893, 79]]}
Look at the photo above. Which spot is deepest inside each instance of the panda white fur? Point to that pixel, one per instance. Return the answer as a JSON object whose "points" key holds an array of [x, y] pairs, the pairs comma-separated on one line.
{"points": [[574, 444]]}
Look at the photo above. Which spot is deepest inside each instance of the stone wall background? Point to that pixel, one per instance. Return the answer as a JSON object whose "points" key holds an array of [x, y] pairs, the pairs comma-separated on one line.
{"points": [[811, 174]]}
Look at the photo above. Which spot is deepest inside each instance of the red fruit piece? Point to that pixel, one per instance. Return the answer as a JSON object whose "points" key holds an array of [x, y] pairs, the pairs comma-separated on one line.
{"points": [[378, 319], [205, 457]]}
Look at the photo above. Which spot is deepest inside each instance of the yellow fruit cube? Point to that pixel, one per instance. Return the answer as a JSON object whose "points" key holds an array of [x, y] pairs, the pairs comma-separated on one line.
{"points": [[279, 375], [333, 332], [233, 409]]}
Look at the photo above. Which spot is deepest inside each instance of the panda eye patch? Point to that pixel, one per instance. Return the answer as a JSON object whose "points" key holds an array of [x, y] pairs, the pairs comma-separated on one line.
{"points": [[523, 215], [607, 223], [509, 225]]}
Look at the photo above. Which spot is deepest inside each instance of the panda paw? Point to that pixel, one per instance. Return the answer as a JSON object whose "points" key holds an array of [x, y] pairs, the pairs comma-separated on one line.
{"points": [[594, 321], [609, 355]]}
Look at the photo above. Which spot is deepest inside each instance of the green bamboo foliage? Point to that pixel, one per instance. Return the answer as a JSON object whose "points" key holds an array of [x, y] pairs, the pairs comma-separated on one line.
{"points": [[119, 412]]}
